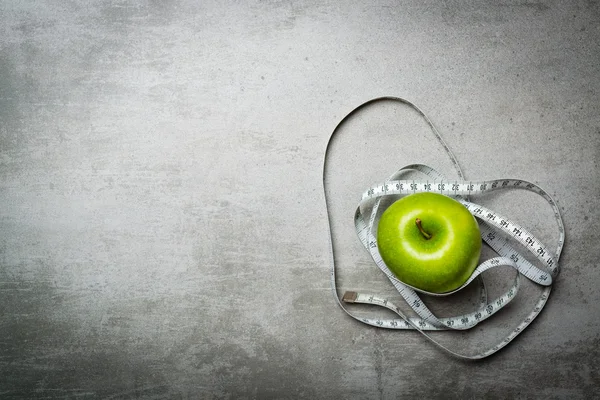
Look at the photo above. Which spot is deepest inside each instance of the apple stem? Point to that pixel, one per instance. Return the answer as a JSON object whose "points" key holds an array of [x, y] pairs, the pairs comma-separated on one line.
{"points": [[425, 234]]}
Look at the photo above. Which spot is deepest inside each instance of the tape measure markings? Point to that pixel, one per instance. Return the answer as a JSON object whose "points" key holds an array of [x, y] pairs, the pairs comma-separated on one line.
{"points": [[519, 233]]}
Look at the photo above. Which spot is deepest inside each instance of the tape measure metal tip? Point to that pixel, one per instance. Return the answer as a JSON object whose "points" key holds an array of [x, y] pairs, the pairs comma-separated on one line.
{"points": [[349, 297]]}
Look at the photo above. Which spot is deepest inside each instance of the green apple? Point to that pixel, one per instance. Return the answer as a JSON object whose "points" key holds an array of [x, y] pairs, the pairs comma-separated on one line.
{"points": [[429, 241]]}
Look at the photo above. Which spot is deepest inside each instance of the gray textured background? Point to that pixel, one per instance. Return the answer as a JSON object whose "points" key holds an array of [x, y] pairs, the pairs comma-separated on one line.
{"points": [[162, 223]]}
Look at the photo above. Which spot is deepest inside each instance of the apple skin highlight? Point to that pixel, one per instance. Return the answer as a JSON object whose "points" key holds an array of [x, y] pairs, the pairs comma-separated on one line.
{"points": [[441, 263]]}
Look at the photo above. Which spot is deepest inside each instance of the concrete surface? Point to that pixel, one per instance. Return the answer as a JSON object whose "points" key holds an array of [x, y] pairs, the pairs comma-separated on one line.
{"points": [[162, 222]]}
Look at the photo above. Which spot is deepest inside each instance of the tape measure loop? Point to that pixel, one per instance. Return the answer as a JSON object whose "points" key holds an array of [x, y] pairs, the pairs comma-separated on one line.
{"points": [[496, 231]]}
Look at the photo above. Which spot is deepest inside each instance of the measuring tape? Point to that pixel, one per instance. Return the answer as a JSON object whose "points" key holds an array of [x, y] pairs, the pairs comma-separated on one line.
{"points": [[498, 231]]}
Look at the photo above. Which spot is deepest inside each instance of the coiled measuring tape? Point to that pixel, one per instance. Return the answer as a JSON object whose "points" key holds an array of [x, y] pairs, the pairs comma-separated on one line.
{"points": [[496, 230]]}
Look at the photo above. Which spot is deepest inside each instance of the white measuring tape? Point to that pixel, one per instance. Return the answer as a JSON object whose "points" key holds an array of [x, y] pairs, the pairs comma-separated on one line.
{"points": [[496, 230]]}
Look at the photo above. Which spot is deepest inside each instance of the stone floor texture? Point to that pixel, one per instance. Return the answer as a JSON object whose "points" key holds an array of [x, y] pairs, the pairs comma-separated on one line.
{"points": [[163, 230]]}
